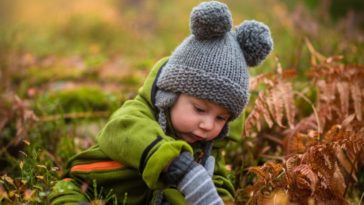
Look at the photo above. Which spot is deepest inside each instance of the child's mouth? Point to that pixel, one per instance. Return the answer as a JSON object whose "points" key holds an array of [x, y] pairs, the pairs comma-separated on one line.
{"points": [[191, 138], [197, 137]]}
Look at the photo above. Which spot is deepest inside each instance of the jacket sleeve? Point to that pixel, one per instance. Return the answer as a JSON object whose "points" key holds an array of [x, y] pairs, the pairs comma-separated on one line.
{"points": [[134, 137], [67, 192]]}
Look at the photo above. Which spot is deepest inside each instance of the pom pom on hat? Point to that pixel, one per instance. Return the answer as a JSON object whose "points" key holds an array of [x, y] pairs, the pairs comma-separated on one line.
{"points": [[255, 40], [210, 19]]}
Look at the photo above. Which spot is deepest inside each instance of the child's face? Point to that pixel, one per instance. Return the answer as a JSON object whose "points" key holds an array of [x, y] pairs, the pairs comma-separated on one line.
{"points": [[195, 119]]}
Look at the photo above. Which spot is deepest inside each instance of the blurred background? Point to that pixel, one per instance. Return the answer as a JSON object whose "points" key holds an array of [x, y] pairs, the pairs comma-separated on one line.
{"points": [[44, 42], [66, 65], [50, 44]]}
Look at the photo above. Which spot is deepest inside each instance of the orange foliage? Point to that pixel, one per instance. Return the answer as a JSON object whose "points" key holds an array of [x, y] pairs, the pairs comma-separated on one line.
{"points": [[322, 173], [273, 103], [325, 150]]}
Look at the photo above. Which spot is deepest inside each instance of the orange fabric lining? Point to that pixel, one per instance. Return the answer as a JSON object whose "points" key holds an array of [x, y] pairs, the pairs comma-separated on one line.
{"points": [[67, 179], [97, 166]]}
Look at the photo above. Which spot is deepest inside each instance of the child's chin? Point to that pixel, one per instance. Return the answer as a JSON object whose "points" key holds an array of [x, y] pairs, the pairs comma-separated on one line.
{"points": [[189, 140]]}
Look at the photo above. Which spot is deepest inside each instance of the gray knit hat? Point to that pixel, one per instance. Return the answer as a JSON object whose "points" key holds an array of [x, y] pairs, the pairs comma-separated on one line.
{"points": [[212, 63]]}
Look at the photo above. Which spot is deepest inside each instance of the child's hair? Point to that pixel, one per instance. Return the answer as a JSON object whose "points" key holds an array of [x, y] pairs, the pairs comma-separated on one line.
{"points": [[212, 62]]}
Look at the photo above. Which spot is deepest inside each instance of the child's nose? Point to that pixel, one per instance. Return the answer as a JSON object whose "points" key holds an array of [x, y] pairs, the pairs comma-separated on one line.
{"points": [[207, 124]]}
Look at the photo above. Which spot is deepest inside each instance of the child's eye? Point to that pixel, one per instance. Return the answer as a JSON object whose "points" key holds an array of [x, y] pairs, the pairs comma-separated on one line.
{"points": [[221, 118], [198, 109]]}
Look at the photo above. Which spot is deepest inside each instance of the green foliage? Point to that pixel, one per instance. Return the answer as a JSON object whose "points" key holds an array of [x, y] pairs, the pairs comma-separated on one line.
{"points": [[66, 147], [82, 99], [36, 175], [236, 128], [144, 64], [339, 9], [88, 29], [94, 61], [41, 75], [99, 197]]}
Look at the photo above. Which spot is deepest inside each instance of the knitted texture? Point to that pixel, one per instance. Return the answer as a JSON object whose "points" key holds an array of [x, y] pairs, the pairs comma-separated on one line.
{"points": [[211, 63], [210, 165], [178, 168], [254, 39], [198, 188], [164, 100], [209, 20], [214, 70], [187, 174]]}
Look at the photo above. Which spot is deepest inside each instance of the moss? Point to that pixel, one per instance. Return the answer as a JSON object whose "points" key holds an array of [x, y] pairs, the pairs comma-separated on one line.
{"points": [[144, 64], [65, 148], [83, 99], [94, 61], [132, 80], [38, 75]]}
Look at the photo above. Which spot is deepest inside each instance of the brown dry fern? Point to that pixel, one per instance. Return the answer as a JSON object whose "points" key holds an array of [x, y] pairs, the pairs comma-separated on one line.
{"points": [[274, 104], [17, 113], [340, 88], [322, 173], [323, 150]]}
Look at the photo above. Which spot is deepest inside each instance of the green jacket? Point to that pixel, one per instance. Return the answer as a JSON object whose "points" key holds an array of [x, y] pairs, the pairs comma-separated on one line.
{"points": [[131, 152]]}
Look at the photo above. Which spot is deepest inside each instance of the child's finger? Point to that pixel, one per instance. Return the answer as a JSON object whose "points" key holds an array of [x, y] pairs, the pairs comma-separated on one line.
{"points": [[210, 165]]}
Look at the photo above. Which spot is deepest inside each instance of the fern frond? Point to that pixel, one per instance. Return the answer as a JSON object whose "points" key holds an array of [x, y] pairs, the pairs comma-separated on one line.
{"points": [[342, 88], [323, 172], [253, 120], [263, 108], [278, 104], [357, 96], [287, 97], [272, 105]]}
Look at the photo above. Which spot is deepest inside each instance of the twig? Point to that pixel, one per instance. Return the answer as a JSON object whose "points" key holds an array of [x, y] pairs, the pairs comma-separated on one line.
{"points": [[361, 198], [314, 53], [272, 157], [273, 138], [313, 108]]}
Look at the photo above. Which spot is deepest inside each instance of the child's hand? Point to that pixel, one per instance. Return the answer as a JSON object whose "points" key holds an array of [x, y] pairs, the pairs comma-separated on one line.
{"points": [[198, 188], [193, 179], [210, 165]]}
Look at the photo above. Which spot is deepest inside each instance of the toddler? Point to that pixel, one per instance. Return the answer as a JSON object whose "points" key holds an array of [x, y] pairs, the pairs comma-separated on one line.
{"points": [[164, 146]]}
